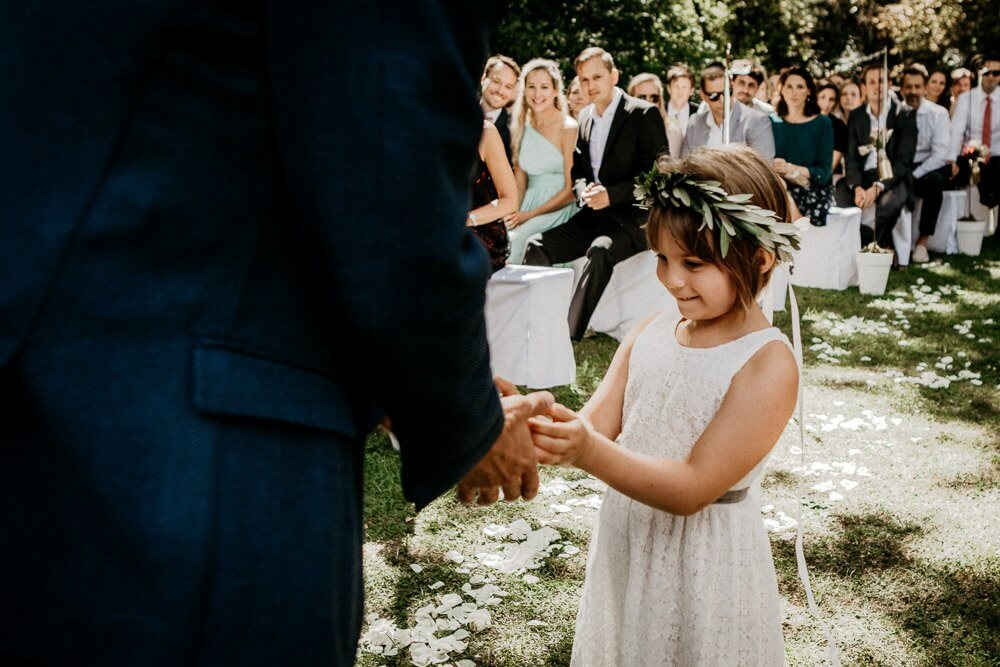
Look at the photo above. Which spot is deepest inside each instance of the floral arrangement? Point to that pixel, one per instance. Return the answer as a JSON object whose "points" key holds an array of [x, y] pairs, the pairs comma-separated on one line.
{"points": [[731, 215], [879, 141]]}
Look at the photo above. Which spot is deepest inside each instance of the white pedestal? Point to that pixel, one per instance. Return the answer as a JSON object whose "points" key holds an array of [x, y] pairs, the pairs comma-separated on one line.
{"points": [[526, 309], [902, 233], [826, 255]]}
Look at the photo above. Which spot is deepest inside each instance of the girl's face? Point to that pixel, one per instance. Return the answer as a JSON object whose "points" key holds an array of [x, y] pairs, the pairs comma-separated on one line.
{"points": [[795, 91], [935, 86], [539, 91], [703, 291], [826, 99], [850, 97]]}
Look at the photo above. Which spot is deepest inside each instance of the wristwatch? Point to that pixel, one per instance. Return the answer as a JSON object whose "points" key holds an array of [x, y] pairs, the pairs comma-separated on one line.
{"points": [[472, 220], [880, 185]]}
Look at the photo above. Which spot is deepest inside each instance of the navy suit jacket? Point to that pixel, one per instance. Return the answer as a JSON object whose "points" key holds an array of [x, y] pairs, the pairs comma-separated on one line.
{"points": [[216, 264]]}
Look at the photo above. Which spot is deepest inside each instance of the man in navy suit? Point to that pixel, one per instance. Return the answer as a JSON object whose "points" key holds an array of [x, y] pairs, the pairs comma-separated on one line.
{"points": [[499, 87], [217, 271]]}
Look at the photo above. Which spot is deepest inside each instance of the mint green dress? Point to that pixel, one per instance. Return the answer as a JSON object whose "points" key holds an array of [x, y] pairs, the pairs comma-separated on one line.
{"points": [[543, 163]]}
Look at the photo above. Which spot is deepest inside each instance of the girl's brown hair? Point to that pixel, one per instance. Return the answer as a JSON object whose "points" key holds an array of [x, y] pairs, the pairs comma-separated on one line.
{"points": [[739, 170]]}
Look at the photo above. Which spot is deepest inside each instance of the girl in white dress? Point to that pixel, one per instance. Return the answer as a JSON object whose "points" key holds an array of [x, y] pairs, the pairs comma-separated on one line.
{"points": [[680, 569]]}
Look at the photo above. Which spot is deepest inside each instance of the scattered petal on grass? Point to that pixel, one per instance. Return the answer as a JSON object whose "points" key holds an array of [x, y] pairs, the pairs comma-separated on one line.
{"points": [[416, 568]]}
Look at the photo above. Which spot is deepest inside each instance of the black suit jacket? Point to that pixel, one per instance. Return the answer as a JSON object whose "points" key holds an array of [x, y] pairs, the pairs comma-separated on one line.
{"points": [[901, 147], [637, 136], [503, 127], [207, 263]]}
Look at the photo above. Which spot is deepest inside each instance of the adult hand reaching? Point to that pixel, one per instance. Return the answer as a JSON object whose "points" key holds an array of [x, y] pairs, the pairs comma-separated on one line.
{"points": [[511, 463]]}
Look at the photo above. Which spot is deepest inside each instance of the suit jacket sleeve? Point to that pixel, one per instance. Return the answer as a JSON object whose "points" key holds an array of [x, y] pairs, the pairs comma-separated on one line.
{"points": [[378, 206], [759, 135], [652, 142], [853, 162], [581, 157], [905, 134]]}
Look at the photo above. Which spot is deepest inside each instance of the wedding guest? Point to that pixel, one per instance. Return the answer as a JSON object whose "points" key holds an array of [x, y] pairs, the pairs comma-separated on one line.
{"points": [[498, 86], [937, 82], [828, 99], [977, 118], [747, 79], [543, 136], [648, 87], [803, 145], [620, 136], [960, 81], [748, 126], [680, 570], [680, 85], [852, 95], [931, 163], [774, 89], [836, 79], [575, 98], [861, 185], [494, 195]]}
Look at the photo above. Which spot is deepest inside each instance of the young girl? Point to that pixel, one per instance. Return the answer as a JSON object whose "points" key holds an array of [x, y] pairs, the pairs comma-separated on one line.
{"points": [[680, 569]]}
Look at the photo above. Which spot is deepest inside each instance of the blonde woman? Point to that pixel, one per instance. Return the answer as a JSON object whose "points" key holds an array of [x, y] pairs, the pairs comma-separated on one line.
{"points": [[576, 99], [543, 136], [648, 87]]}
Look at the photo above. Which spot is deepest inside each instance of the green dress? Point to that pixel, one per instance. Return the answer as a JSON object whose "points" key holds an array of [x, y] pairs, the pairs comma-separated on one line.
{"points": [[809, 144], [543, 163]]}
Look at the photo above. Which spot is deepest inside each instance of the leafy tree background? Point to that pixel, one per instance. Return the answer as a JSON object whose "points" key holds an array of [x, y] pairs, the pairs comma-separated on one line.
{"points": [[826, 35]]}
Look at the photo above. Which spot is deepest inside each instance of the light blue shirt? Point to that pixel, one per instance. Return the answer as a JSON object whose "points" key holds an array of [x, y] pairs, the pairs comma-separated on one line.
{"points": [[600, 128]]}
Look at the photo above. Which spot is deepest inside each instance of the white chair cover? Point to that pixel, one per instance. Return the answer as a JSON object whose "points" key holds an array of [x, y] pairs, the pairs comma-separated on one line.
{"points": [[526, 310], [945, 237], [827, 256]]}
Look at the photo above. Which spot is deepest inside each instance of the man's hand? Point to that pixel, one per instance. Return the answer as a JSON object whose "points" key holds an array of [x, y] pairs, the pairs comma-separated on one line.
{"points": [[954, 169], [596, 196], [863, 198], [511, 463]]}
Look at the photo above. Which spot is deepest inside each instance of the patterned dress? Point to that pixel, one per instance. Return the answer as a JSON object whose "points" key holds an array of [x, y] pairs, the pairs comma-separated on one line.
{"points": [[493, 235], [664, 589]]}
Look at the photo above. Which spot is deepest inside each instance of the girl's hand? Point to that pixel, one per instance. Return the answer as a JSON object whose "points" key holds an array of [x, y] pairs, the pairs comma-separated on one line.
{"points": [[564, 440]]}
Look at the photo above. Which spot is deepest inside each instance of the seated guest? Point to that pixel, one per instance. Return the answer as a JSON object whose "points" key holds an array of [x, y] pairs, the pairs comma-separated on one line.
{"points": [[861, 186], [931, 165], [498, 85], [803, 145], [575, 98], [961, 82], [494, 195], [852, 96], [680, 85], [648, 87], [748, 126], [620, 137], [543, 137], [977, 118], [828, 99], [836, 79], [747, 79], [937, 82]]}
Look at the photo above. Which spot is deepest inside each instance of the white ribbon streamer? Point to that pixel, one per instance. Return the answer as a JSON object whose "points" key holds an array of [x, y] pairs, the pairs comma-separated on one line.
{"points": [[800, 558]]}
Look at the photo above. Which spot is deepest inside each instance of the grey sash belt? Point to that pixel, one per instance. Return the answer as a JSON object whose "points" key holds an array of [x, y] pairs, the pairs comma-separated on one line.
{"points": [[730, 497]]}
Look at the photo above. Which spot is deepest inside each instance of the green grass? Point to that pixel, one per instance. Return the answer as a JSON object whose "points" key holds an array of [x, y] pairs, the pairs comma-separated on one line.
{"points": [[906, 567]]}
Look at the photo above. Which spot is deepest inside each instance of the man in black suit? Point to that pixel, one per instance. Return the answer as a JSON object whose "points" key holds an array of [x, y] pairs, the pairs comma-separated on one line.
{"points": [[498, 86], [861, 186], [208, 297], [620, 137]]}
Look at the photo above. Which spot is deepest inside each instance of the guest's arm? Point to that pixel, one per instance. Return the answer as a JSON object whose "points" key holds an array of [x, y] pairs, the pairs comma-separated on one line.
{"points": [[905, 138], [760, 137], [959, 125], [940, 143], [820, 172], [495, 156], [853, 162]]}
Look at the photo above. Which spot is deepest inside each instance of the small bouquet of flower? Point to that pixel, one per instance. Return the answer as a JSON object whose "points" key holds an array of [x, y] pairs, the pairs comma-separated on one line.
{"points": [[879, 140], [975, 153]]}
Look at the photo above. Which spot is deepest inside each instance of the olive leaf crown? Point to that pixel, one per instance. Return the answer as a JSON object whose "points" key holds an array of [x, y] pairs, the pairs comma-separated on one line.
{"points": [[666, 185]]}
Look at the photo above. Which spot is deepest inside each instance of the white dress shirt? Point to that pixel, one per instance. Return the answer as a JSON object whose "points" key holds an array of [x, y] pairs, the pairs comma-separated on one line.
{"points": [[682, 116], [492, 115], [933, 138], [714, 131], [874, 124], [967, 126], [600, 128]]}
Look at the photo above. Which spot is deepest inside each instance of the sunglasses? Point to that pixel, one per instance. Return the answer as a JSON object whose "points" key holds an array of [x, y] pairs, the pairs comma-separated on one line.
{"points": [[654, 98], [991, 72], [712, 97]]}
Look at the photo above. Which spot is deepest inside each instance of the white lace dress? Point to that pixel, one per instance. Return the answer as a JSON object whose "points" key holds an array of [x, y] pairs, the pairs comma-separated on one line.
{"points": [[663, 589]]}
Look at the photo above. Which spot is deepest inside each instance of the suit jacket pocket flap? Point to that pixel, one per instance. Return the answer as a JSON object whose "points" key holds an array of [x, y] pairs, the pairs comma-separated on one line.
{"points": [[231, 381]]}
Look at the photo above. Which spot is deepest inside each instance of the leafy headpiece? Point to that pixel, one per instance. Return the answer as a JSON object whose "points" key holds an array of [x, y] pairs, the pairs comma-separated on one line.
{"points": [[667, 186]]}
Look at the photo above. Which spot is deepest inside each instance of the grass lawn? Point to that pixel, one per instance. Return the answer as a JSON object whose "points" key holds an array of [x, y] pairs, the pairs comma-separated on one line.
{"points": [[899, 486]]}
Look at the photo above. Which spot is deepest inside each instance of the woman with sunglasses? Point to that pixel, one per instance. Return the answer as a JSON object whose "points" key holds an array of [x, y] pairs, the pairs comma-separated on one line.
{"points": [[648, 87]]}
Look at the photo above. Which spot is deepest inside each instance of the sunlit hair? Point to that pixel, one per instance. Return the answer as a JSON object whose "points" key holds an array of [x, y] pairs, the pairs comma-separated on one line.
{"points": [[645, 77], [591, 53], [522, 115], [739, 170], [812, 105], [679, 72], [712, 72]]}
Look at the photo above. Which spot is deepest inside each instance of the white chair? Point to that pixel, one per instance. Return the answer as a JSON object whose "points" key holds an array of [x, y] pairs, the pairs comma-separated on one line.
{"points": [[526, 308], [945, 237], [827, 256], [902, 233]]}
